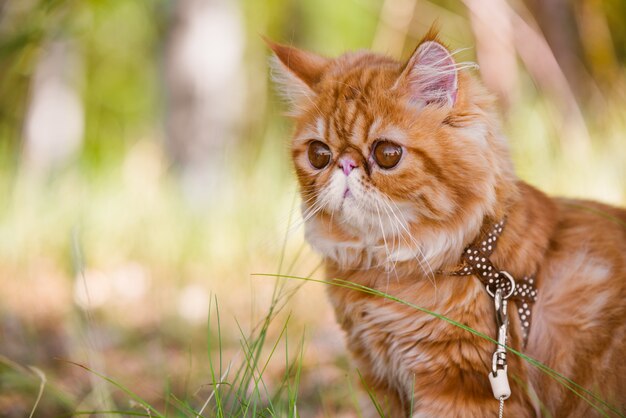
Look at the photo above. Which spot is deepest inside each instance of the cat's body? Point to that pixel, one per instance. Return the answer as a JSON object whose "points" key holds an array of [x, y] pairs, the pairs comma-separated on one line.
{"points": [[402, 167], [578, 321]]}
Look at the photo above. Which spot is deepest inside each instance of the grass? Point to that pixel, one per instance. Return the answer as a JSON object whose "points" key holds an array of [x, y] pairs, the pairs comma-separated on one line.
{"points": [[242, 390], [247, 393], [236, 391]]}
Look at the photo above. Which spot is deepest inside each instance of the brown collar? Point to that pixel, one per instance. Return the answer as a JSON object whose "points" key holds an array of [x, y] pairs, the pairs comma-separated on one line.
{"points": [[475, 261]]}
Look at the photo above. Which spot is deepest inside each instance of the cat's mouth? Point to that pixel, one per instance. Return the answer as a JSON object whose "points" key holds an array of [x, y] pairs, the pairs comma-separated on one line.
{"points": [[347, 192]]}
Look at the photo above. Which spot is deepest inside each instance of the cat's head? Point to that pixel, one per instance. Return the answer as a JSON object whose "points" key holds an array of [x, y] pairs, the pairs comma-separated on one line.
{"points": [[395, 161]]}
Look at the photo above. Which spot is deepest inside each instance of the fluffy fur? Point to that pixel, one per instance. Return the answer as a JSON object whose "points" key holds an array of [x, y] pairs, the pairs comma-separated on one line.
{"points": [[394, 230]]}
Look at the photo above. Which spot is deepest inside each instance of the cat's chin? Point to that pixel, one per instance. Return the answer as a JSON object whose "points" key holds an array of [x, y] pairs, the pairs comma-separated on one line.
{"points": [[352, 244], [336, 240]]}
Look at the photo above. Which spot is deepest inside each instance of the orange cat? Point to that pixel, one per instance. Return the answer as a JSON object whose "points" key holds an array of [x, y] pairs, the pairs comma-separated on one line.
{"points": [[404, 175]]}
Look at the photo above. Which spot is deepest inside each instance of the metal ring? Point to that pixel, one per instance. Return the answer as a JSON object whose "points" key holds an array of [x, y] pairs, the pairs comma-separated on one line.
{"points": [[511, 280]]}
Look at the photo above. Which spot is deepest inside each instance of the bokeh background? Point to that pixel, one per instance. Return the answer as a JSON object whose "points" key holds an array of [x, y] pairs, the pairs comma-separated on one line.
{"points": [[145, 178]]}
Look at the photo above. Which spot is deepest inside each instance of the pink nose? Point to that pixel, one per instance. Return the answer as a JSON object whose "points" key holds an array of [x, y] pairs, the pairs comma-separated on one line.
{"points": [[347, 164]]}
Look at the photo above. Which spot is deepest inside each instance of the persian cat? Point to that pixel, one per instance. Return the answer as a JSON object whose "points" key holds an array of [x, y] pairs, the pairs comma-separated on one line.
{"points": [[408, 188]]}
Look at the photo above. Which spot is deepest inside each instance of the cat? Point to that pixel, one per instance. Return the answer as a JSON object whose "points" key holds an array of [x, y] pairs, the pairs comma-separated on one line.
{"points": [[402, 167]]}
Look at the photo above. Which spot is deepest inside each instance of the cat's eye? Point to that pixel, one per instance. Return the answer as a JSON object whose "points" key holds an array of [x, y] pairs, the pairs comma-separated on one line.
{"points": [[319, 154], [387, 154]]}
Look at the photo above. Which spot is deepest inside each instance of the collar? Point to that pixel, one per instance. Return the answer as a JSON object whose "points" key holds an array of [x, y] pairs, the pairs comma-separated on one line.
{"points": [[475, 261]]}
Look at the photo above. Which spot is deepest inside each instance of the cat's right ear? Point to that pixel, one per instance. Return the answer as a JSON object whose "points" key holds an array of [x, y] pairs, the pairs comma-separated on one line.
{"points": [[296, 72]]}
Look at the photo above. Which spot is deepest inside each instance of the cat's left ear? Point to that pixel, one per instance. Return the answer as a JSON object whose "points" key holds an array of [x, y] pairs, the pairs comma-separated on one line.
{"points": [[430, 75], [296, 72]]}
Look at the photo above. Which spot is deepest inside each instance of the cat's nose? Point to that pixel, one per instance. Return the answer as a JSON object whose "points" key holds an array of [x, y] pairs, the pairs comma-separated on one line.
{"points": [[347, 164]]}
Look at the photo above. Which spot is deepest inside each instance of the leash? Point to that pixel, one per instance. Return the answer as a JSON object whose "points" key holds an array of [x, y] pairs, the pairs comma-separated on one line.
{"points": [[498, 375], [501, 286]]}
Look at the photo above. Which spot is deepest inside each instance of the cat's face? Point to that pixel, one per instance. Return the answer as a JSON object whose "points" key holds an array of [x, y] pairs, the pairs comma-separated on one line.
{"points": [[382, 148], [354, 159]]}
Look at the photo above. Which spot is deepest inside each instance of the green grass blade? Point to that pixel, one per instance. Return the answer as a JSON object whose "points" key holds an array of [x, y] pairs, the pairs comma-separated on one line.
{"points": [[371, 395], [124, 413], [598, 212], [123, 388], [355, 401], [216, 392], [42, 385], [248, 376], [26, 373], [293, 402], [185, 408]]}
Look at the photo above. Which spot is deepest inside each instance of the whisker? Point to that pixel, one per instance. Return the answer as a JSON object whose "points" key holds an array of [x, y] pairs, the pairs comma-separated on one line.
{"points": [[429, 274], [397, 233], [384, 235], [308, 214]]}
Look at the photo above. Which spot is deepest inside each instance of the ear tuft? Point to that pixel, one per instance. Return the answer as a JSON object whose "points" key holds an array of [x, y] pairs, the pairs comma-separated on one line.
{"points": [[431, 75], [296, 72], [432, 34]]}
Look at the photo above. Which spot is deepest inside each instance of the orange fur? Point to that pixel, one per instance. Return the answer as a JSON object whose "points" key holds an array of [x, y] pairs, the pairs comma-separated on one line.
{"points": [[398, 227]]}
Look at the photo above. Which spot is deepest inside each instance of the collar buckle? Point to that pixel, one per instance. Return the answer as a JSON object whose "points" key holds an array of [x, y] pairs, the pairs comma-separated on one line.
{"points": [[510, 286]]}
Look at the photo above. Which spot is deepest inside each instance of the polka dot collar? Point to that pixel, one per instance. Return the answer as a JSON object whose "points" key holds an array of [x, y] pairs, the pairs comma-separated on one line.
{"points": [[475, 261]]}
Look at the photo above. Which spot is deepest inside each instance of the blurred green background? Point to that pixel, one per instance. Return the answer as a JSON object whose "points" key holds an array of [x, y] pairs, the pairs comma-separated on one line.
{"points": [[145, 176]]}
